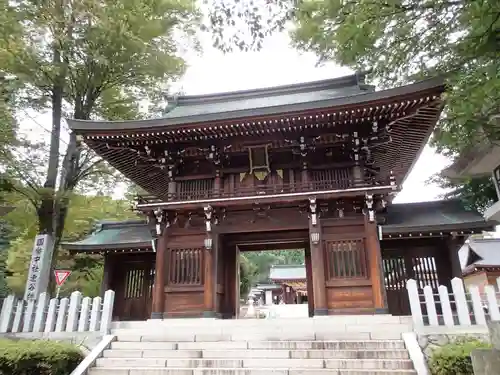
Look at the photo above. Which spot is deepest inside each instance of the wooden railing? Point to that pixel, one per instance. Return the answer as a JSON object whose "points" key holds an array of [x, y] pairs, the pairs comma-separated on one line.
{"points": [[255, 190]]}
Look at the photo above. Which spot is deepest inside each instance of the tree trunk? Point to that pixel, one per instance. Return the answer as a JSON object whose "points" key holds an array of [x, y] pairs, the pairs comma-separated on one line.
{"points": [[68, 180], [47, 210]]}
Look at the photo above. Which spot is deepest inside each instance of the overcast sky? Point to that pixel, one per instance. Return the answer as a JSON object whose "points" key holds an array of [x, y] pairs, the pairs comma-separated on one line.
{"points": [[276, 64]]}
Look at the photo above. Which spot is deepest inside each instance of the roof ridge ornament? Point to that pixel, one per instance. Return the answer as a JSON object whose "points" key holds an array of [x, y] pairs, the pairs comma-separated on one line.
{"points": [[172, 102], [98, 227]]}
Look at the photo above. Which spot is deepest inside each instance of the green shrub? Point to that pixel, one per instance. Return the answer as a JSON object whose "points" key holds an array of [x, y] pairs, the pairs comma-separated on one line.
{"points": [[40, 357], [454, 358]]}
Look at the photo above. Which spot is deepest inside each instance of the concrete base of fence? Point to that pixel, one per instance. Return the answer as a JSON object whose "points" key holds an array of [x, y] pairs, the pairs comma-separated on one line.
{"points": [[85, 340], [494, 330], [487, 361]]}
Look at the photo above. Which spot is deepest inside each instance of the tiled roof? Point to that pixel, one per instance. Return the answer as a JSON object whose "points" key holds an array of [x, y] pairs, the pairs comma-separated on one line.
{"points": [[435, 215], [114, 235], [218, 106], [260, 102], [481, 252]]}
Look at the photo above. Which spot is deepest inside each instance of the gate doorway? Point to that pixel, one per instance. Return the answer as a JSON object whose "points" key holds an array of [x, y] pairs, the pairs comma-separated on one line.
{"points": [[231, 302], [133, 284], [400, 266]]}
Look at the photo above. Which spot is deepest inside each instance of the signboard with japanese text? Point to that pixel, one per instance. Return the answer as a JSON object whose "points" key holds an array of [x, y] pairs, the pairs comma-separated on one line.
{"points": [[39, 267]]}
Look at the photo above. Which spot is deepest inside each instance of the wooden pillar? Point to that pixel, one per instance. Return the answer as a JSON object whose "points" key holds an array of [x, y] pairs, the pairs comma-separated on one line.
{"points": [[160, 277], [376, 268], [304, 176], [172, 190], [230, 277], [357, 175], [107, 275], [309, 281], [209, 284], [318, 271], [217, 184], [454, 244]]}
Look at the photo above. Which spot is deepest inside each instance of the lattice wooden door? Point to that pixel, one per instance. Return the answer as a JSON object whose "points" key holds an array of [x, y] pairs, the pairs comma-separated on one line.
{"points": [[134, 301], [398, 269], [395, 277]]}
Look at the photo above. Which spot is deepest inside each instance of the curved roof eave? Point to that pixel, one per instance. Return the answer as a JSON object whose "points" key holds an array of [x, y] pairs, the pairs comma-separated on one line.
{"points": [[86, 126], [69, 246]]}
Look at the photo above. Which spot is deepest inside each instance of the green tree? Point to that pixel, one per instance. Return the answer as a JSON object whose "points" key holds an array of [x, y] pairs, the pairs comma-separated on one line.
{"points": [[262, 261], [85, 211], [398, 41], [9, 39], [403, 41], [476, 193], [4, 243], [101, 59], [247, 275]]}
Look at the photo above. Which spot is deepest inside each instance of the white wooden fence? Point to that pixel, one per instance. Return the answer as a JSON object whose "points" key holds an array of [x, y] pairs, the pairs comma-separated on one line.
{"points": [[457, 307], [74, 314]]}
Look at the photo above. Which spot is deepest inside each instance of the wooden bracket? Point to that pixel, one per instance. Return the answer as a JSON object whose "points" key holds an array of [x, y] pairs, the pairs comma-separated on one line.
{"points": [[369, 205], [313, 214]]}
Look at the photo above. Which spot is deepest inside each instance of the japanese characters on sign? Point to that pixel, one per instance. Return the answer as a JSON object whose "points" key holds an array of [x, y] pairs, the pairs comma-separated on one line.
{"points": [[39, 267]]}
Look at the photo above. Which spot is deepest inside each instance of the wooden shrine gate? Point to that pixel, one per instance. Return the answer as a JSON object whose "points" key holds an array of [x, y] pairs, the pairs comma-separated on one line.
{"points": [[421, 264], [133, 281]]}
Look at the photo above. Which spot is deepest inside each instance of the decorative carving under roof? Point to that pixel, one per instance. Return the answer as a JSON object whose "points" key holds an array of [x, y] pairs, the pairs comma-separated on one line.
{"points": [[391, 126]]}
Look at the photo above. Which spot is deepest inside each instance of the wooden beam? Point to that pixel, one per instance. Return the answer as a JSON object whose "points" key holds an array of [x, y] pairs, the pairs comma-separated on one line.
{"points": [[318, 272], [160, 277], [375, 261], [209, 284]]}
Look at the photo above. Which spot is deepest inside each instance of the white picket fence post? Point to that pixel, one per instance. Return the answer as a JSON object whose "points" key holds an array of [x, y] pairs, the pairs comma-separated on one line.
{"points": [[64, 315], [41, 306], [477, 305], [74, 310], [444, 298], [430, 304], [457, 285], [83, 323], [50, 323], [107, 312], [414, 298], [464, 308], [18, 317], [492, 302], [29, 315], [7, 314], [95, 315]]}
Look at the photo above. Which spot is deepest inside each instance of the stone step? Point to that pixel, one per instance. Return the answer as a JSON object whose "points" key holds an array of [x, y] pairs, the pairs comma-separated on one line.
{"points": [[302, 335], [391, 364], [259, 371], [282, 328], [316, 321], [270, 345], [259, 353]]}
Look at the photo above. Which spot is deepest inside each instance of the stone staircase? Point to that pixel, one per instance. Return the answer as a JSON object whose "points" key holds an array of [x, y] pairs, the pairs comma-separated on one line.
{"points": [[340, 345]]}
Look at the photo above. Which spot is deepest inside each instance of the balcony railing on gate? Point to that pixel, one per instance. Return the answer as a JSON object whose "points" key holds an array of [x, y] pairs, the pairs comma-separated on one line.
{"points": [[74, 314], [208, 192], [455, 307]]}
